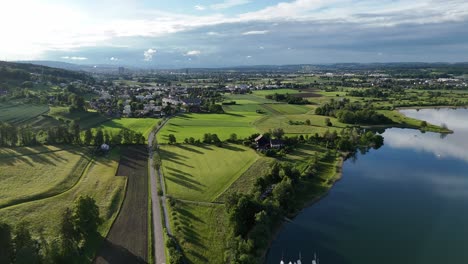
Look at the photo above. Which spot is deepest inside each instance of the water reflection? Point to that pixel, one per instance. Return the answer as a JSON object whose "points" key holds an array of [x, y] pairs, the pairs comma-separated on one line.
{"points": [[403, 203], [442, 146]]}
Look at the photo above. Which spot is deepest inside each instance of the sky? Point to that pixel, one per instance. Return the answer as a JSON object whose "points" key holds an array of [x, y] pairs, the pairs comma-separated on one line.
{"points": [[218, 33]]}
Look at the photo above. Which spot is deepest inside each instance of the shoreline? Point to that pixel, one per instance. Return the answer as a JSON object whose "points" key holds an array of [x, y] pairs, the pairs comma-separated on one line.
{"points": [[431, 107], [337, 176]]}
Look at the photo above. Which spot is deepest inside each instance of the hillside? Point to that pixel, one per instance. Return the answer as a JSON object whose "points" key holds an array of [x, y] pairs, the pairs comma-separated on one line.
{"points": [[14, 74]]}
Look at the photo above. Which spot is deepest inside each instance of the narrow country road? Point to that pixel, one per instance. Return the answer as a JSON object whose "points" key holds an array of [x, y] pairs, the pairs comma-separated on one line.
{"points": [[157, 201]]}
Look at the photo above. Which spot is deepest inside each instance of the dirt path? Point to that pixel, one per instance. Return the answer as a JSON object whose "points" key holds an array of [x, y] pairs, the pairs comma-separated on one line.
{"points": [[158, 202]]}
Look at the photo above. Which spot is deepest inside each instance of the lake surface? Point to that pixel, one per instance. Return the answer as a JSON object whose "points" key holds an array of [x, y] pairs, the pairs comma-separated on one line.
{"points": [[406, 202]]}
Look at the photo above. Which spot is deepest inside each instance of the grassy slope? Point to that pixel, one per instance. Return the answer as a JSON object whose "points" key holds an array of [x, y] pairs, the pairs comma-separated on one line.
{"points": [[27, 176], [201, 231], [16, 112], [275, 91], [85, 119], [196, 125], [99, 181], [201, 173], [245, 182], [142, 125]]}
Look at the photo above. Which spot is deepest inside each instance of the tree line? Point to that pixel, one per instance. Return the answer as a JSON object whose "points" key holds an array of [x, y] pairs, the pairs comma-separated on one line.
{"points": [[352, 113], [12, 135], [290, 99]]}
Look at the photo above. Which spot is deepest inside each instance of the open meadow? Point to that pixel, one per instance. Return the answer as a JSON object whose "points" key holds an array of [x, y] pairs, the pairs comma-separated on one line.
{"points": [[201, 173], [17, 112], [141, 125], [201, 231], [85, 119], [196, 125], [97, 181], [31, 173]]}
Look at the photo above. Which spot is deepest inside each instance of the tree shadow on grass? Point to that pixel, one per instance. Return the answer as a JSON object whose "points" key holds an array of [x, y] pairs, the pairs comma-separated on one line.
{"points": [[232, 114], [233, 148], [185, 116], [185, 147], [184, 181], [177, 171]]}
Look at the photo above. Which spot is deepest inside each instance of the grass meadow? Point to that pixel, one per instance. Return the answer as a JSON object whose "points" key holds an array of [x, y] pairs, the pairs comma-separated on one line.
{"points": [[17, 112], [85, 119], [31, 173], [201, 173], [98, 181], [200, 230], [142, 125], [196, 125]]}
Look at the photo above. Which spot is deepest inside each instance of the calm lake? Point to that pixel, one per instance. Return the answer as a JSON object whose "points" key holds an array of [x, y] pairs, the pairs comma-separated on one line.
{"points": [[406, 202]]}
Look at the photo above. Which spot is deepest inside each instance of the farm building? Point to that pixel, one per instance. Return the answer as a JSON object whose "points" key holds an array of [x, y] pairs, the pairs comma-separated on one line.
{"points": [[276, 143]]}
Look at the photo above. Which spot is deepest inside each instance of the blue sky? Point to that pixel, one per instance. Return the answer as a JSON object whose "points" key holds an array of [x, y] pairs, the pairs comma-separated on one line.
{"points": [[213, 33]]}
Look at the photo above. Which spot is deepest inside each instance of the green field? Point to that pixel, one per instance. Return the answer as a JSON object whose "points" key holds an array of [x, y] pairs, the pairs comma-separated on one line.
{"points": [[275, 91], [17, 112], [142, 125], [288, 109], [245, 182], [98, 181], [85, 119], [32, 173], [201, 231], [196, 125], [201, 173], [282, 121], [247, 99]]}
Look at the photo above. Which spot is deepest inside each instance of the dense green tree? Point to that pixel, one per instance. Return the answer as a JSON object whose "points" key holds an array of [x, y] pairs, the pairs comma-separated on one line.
{"points": [[99, 137], [86, 217], [277, 133], [6, 244], [27, 249], [88, 137], [172, 139]]}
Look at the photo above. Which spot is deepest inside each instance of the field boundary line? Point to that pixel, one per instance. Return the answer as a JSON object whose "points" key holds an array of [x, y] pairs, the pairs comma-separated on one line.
{"points": [[38, 196], [84, 172], [240, 173]]}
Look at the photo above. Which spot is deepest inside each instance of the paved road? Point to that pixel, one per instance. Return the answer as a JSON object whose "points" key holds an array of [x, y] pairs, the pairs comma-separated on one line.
{"points": [[157, 202]]}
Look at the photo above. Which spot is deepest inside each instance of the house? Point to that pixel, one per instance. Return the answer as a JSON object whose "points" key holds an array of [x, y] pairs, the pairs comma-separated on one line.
{"points": [[276, 143], [192, 104], [262, 142]]}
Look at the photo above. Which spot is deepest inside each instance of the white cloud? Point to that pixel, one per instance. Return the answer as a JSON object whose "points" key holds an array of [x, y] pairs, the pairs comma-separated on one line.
{"points": [[212, 33], [261, 47], [255, 32], [148, 54], [36, 30], [229, 4], [248, 56], [74, 58], [199, 7], [113, 59], [193, 53]]}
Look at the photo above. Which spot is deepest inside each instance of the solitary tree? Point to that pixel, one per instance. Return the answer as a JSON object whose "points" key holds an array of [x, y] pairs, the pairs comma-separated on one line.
{"points": [[172, 139]]}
